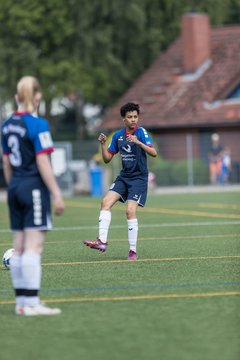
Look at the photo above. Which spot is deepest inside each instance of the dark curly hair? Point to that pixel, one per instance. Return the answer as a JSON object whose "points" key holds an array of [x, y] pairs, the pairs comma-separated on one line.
{"points": [[129, 107]]}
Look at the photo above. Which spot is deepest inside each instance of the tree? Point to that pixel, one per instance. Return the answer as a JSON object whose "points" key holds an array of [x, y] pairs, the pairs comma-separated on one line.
{"points": [[96, 48]]}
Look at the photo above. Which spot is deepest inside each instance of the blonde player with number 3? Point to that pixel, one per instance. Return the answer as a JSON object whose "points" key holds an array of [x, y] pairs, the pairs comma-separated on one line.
{"points": [[26, 144]]}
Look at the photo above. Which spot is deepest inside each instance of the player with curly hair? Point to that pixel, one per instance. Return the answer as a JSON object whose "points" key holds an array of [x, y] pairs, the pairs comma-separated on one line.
{"points": [[133, 143]]}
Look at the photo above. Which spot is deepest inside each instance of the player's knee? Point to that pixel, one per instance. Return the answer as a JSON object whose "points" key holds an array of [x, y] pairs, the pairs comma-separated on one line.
{"points": [[130, 213], [105, 204]]}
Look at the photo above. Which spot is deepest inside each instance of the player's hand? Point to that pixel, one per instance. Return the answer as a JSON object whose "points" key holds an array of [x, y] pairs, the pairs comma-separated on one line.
{"points": [[133, 138], [102, 138], [59, 205]]}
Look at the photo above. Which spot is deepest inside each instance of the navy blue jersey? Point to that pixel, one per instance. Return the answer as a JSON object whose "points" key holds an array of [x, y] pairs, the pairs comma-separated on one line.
{"points": [[134, 159], [24, 136]]}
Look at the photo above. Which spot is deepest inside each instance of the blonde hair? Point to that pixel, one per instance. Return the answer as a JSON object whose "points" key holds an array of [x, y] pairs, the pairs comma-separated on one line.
{"points": [[27, 87]]}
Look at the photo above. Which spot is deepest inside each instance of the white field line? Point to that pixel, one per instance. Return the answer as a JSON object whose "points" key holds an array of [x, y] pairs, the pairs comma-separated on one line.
{"points": [[123, 226]]}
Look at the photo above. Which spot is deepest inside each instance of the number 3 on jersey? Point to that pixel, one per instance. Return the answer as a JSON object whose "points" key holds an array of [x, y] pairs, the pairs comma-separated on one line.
{"points": [[15, 156]]}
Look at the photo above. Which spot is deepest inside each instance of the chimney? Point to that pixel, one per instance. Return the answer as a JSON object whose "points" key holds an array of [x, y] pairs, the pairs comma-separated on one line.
{"points": [[196, 40]]}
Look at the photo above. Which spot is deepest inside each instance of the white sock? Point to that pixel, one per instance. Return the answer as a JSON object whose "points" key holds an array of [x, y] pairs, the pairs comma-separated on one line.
{"points": [[132, 234], [17, 278], [104, 223], [32, 271]]}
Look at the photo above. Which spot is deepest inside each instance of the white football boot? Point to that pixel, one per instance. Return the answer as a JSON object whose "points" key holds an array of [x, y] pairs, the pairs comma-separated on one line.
{"points": [[40, 309]]}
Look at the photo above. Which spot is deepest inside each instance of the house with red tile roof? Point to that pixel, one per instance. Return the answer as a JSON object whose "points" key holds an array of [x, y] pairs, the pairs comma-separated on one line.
{"points": [[191, 91]]}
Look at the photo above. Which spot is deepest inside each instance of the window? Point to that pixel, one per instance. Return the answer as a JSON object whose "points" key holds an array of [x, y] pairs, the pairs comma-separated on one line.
{"points": [[235, 93]]}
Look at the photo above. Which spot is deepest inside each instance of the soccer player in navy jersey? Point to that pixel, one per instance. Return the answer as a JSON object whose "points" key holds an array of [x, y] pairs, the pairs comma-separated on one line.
{"points": [[26, 144], [133, 143]]}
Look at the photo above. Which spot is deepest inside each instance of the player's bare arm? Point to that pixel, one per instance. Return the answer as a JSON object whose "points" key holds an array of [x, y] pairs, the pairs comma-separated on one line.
{"points": [[47, 175], [107, 157], [149, 150], [7, 169]]}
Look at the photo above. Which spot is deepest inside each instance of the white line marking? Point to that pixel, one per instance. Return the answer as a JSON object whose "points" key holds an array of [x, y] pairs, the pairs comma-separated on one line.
{"points": [[89, 227]]}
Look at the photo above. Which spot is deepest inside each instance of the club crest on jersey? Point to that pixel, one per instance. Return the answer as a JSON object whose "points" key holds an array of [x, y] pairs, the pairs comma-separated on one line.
{"points": [[127, 148]]}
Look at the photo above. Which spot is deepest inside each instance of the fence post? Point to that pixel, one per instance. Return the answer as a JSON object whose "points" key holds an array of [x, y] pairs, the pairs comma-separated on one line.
{"points": [[189, 159]]}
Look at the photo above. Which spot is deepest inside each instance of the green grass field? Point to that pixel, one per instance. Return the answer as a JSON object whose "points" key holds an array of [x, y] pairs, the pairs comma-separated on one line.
{"points": [[179, 301]]}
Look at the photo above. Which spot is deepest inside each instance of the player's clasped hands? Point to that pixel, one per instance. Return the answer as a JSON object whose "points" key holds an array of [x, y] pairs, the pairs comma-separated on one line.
{"points": [[132, 138], [102, 138]]}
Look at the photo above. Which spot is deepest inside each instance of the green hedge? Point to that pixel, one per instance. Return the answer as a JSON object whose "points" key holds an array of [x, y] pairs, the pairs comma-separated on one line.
{"points": [[176, 172]]}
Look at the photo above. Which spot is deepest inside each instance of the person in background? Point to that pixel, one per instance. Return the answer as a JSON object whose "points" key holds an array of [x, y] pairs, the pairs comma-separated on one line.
{"points": [[133, 143], [226, 165], [26, 144], [215, 160]]}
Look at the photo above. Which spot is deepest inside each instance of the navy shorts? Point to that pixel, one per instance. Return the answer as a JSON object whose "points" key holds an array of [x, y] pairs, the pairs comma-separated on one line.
{"points": [[131, 189], [29, 204]]}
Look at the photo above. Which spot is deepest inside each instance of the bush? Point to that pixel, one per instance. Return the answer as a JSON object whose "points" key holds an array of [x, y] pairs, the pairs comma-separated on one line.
{"points": [[169, 173]]}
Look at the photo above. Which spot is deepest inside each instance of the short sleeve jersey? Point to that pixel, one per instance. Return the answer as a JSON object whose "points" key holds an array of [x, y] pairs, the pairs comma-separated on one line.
{"points": [[24, 136], [134, 159]]}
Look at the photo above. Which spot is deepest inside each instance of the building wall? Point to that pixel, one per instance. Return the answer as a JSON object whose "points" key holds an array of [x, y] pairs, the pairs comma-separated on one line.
{"points": [[172, 144], [231, 138]]}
